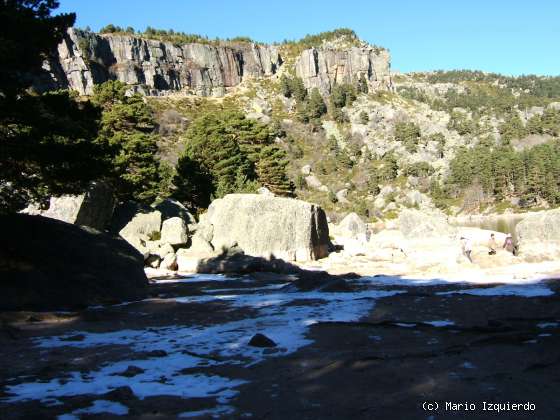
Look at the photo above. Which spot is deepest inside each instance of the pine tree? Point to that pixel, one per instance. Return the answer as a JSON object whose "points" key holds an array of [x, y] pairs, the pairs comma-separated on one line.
{"points": [[512, 128], [362, 84], [47, 142], [408, 133], [298, 89], [316, 106], [364, 117], [193, 185], [271, 170], [389, 168], [285, 86], [127, 126]]}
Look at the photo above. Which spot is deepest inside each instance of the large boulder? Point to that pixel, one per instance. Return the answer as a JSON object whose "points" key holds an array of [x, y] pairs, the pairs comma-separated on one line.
{"points": [[49, 264], [93, 208], [171, 208], [174, 231], [538, 235], [352, 226], [416, 224], [265, 226], [142, 228]]}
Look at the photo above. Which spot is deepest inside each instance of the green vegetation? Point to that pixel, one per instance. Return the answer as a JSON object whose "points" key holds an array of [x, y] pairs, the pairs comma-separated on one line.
{"points": [[419, 169], [547, 123], [313, 41], [502, 172], [408, 133], [461, 123], [388, 168], [342, 95], [47, 142], [126, 127], [364, 117], [362, 84], [539, 86], [224, 153], [310, 107], [511, 129], [172, 36], [293, 87]]}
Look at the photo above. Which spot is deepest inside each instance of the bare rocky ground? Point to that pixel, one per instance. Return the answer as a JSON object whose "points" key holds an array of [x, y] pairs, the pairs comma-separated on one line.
{"points": [[360, 348]]}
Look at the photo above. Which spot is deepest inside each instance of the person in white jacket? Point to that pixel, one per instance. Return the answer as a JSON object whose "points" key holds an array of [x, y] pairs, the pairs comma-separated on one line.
{"points": [[466, 246]]}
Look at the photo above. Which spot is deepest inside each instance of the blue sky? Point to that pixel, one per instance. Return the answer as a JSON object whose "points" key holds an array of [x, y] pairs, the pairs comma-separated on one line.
{"points": [[504, 36]]}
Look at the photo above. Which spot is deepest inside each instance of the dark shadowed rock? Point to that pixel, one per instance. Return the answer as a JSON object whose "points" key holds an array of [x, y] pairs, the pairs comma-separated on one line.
{"points": [[130, 371], [48, 264], [171, 208], [261, 340], [240, 263], [93, 208], [322, 281]]}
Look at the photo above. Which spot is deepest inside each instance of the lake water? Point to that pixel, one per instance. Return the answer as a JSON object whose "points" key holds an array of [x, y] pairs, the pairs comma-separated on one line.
{"points": [[504, 224]]}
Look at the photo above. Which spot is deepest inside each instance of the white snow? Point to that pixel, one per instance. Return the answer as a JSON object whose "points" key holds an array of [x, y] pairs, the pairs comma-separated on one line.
{"points": [[214, 412], [197, 278], [468, 365], [442, 323], [104, 406], [548, 324], [478, 278], [283, 317], [529, 290]]}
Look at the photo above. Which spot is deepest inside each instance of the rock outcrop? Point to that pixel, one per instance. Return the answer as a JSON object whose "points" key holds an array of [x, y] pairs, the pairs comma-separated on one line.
{"points": [[415, 224], [94, 208], [352, 226], [142, 228], [266, 226], [85, 59], [49, 264], [538, 235], [174, 231], [324, 67], [154, 67]]}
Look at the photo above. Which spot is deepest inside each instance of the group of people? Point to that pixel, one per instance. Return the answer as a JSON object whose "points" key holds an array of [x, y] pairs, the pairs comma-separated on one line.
{"points": [[509, 245]]}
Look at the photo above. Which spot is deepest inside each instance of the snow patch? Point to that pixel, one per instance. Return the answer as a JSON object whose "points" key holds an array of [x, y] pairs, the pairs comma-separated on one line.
{"points": [[104, 406], [283, 317], [548, 324], [442, 323], [534, 290], [214, 412]]}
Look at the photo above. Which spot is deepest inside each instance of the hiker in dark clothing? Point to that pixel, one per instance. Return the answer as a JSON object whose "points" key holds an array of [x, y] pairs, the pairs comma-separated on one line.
{"points": [[509, 245]]}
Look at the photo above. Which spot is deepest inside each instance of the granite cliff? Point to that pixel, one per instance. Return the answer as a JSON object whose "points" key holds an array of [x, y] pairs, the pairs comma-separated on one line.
{"points": [[324, 67], [154, 67]]}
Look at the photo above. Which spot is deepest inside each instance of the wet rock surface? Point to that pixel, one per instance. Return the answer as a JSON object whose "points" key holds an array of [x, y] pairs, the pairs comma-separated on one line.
{"points": [[377, 348]]}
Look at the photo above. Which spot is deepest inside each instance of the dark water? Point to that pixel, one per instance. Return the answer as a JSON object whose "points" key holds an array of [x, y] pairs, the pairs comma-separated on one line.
{"points": [[504, 224]]}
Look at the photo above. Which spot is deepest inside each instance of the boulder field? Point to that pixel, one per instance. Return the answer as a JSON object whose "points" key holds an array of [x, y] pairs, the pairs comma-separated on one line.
{"points": [[49, 264], [423, 244]]}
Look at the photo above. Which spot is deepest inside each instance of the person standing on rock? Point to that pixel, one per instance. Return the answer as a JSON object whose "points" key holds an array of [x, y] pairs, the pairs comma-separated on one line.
{"points": [[492, 245], [466, 246]]}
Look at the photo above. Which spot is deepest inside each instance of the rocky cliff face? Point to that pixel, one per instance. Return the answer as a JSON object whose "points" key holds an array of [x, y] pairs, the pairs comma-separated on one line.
{"points": [[85, 59], [324, 67], [154, 67]]}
